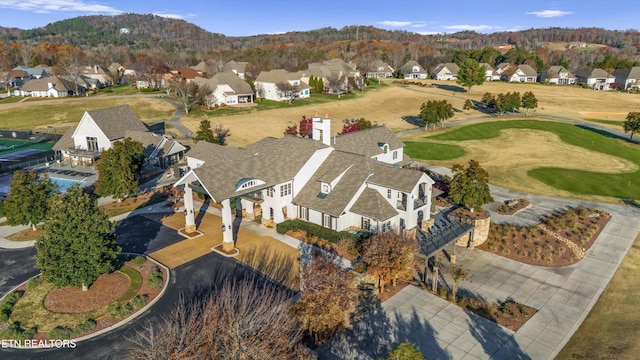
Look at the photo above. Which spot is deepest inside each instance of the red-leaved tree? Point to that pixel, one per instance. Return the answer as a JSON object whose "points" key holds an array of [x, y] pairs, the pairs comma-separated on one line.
{"points": [[389, 256], [291, 130], [306, 126], [349, 128]]}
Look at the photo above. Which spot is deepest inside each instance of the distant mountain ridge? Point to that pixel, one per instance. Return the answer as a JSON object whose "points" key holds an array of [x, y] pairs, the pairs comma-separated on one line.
{"points": [[146, 30]]}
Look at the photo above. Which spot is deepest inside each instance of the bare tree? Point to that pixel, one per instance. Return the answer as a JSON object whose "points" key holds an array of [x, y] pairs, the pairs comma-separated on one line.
{"points": [[287, 91], [206, 94], [186, 92], [336, 83], [70, 62], [328, 298], [243, 320], [221, 133]]}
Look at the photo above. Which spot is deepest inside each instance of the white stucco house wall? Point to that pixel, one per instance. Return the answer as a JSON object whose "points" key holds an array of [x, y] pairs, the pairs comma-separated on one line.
{"points": [[347, 182]]}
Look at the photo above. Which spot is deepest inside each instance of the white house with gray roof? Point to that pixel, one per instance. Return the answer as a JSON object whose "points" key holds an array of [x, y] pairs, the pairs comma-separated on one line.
{"points": [[347, 182], [412, 70], [628, 78], [99, 129], [227, 88], [596, 78], [558, 75], [281, 85], [446, 71]]}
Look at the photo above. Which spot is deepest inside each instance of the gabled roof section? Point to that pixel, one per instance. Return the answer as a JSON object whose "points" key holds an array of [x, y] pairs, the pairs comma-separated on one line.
{"points": [[407, 68], [239, 66], [527, 70], [372, 205], [365, 142], [271, 160], [66, 141], [277, 75], [392, 177], [115, 121], [377, 64], [632, 73], [238, 85], [596, 73], [187, 73], [356, 171], [42, 84]]}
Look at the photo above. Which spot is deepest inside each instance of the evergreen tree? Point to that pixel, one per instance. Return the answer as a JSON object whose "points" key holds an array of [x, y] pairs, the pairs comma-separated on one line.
{"points": [[28, 198], [529, 101], [312, 83], [78, 243], [471, 73], [118, 169], [320, 86], [405, 351], [205, 133], [435, 111], [470, 186]]}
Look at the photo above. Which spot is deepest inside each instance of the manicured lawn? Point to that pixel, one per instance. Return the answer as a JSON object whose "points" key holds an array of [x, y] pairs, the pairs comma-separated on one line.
{"points": [[611, 330], [432, 151], [620, 186]]}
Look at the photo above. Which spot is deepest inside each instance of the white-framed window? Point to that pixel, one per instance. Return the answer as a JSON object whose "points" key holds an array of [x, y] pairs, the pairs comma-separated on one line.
{"points": [[325, 188], [327, 220], [270, 192], [304, 213], [388, 193], [395, 155], [366, 224], [285, 189]]}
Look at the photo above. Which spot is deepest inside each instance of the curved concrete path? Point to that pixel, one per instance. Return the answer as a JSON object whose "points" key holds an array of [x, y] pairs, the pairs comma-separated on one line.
{"points": [[563, 296]]}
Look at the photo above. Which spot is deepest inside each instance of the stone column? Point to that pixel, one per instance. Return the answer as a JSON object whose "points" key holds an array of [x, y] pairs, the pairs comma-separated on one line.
{"points": [[189, 216], [227, 226], [435, 278]]}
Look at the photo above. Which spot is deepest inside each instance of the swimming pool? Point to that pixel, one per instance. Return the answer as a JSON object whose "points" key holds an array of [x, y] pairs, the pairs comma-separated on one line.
{"points": [[64, 184]]}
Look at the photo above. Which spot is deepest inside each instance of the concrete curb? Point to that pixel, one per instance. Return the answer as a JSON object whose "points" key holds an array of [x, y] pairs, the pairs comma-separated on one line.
{"points": [[116, 325]]}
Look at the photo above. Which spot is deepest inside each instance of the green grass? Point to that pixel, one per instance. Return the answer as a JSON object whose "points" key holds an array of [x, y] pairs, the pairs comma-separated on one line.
{"points": [[432, 151], [611, 330], [607, 122], [11, 99], [134, 287], [30, 310], [622, 186]]}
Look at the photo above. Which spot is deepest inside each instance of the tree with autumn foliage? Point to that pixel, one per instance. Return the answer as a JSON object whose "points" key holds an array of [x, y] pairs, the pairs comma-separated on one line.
{"points": [[351, 127], [389, 256], [306, 126], [291, 130], [328, 297], [70, 62]]}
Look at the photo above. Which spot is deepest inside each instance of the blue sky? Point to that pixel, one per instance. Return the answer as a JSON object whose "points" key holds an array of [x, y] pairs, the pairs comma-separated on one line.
{"points": [[251, 17]]}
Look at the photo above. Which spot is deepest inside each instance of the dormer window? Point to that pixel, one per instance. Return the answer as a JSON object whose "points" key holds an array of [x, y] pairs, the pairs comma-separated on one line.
{"points": [[384, 147], [325, 188]]}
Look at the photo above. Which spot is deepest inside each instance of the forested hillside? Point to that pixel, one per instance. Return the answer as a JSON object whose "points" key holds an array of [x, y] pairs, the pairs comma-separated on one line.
{"points": [[128, 38]]}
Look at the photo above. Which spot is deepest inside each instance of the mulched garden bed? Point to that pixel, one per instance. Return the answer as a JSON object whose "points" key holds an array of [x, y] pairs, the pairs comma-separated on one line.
{"points": [[512, 207], [560, 240], [346, 250], [73, 300]]}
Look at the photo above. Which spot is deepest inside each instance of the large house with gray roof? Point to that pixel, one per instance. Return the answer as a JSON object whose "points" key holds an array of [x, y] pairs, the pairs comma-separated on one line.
{"points": [[226, 88], [342, 182], [628, 78], [595, 78], [99, 129], [446, 71], [281, 85]]}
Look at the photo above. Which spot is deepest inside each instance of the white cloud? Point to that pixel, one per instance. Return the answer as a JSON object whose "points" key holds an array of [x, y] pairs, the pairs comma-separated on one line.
{"points": [[171, 16], [395, 23], [549, 13], [468, 27], [47, 6]]}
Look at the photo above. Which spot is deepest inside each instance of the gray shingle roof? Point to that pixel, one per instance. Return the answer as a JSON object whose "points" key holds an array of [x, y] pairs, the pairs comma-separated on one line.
{"points": [[527, 70], [42, 84], [356, 168], [625, 74], [393, 177], [238, 85], [407, 68], [373, 205], [115, 121], [65, 142], [365, 142], [587, 73], [271, 160], [155, 144]]}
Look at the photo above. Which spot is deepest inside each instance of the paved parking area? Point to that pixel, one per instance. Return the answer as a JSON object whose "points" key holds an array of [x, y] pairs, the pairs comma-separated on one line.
{"points": [[563, 296]]}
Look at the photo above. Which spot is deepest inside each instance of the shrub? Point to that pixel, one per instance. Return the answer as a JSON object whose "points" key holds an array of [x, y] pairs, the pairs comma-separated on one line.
{"points": [[33, 282], [140, 301], [15, 332], [314, 230], [156, 279], [84, 326], [7, 305], [360, 267], [60, 332], [122, 311], [139, 260]]}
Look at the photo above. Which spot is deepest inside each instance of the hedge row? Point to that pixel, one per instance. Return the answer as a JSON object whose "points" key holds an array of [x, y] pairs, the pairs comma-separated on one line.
{"points": [[314, 230]]}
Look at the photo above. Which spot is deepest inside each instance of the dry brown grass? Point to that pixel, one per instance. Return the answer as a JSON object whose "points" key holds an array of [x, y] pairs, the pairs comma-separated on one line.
{"points": [[389, 105]]}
